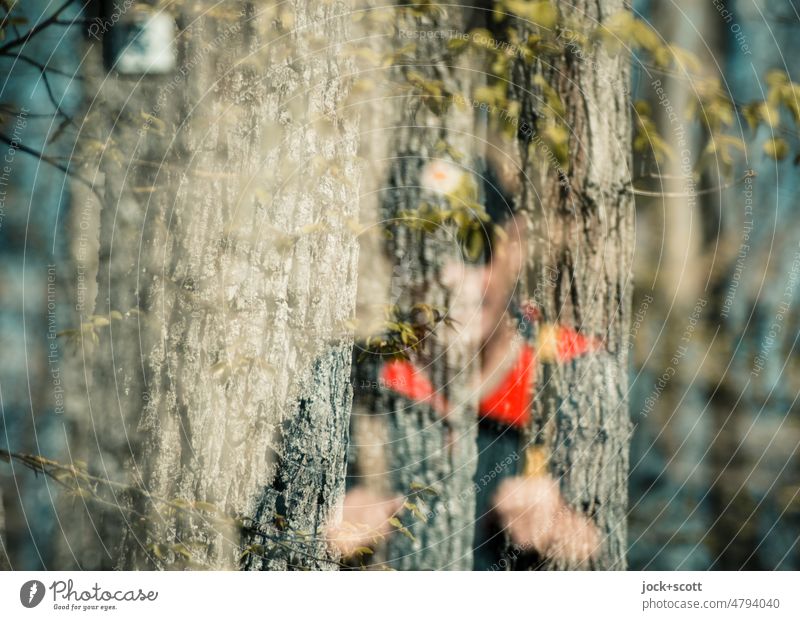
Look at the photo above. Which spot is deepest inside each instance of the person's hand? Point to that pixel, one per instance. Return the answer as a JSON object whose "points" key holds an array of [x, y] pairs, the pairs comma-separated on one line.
{"points": [[536, 517], [527, 508], [362, 517]]}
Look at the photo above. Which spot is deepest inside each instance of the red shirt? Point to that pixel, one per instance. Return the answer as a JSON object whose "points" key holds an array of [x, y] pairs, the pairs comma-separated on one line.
{"points": [[509, 403], [511, 400]]}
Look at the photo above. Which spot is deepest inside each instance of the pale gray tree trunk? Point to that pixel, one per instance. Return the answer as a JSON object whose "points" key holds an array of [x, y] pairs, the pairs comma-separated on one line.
{"points": [[584, 233], [224, 379]]}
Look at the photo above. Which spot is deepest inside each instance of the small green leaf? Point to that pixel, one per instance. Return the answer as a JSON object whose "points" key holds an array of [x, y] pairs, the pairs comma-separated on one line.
{"points": [[404, 531], [100, 321], [182, 549], [205, 506], [158, 551], [776, 148], [475, 244]]}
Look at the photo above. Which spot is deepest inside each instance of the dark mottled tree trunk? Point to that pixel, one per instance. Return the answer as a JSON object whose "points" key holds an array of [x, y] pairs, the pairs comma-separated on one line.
{"points": [[582, 222]]}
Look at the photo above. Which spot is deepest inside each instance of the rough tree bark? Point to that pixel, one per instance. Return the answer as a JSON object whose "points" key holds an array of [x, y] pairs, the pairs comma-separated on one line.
{"points": [[583, 232], [225, 251], [423, 447]]}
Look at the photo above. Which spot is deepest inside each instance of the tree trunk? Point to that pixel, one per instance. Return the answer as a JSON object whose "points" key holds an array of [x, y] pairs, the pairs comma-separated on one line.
{"points": [[582, 223], [672, 431], [752, 391], [226, 274]]}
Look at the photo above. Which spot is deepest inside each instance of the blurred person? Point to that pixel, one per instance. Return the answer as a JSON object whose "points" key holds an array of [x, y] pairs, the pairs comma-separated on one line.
{"points": [[516, 500]]}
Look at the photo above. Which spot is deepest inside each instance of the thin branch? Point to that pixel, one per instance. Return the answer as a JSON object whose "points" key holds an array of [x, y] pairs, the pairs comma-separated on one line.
{"points": [[71, 478], [73, 22], [749, 174], [51, 95]]}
